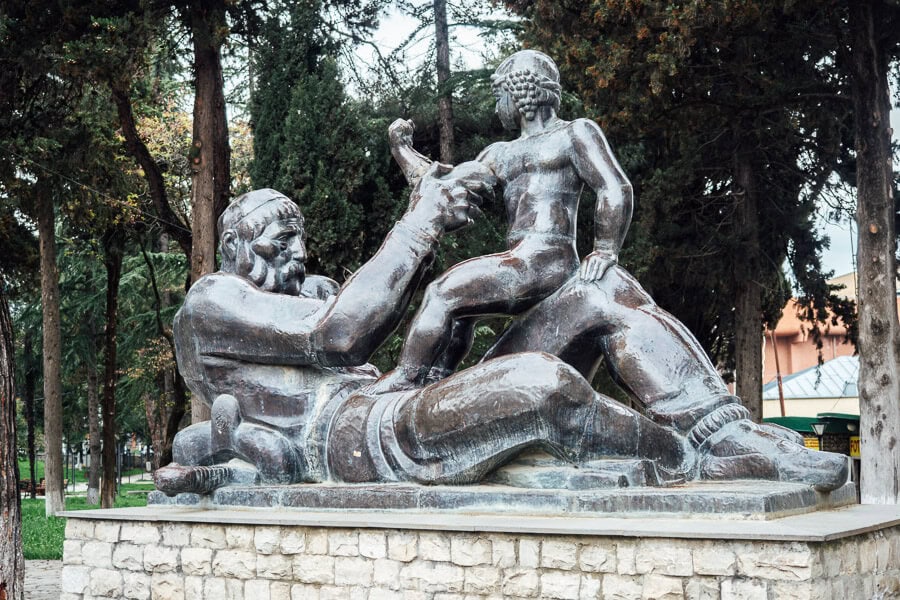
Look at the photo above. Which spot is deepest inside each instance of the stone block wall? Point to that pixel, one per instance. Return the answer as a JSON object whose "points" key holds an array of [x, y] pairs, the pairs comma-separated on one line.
{"points": [[186, 561]]}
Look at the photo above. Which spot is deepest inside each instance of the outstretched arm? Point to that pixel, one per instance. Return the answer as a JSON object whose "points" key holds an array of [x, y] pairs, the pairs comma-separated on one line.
{"points": [[413, 163], [598, 168], [372, 302]]}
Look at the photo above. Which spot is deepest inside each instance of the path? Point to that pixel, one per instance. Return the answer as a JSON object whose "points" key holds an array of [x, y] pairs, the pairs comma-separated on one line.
{"points": [[42, 579]]}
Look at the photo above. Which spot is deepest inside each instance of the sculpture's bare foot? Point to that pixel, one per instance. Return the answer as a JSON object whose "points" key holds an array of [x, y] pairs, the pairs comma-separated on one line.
{"points": [[175, 479], [744, 450], [393, 381]]}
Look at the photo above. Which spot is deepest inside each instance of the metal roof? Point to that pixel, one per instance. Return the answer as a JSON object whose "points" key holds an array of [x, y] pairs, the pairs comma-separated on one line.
{"points": [[835, 378]]}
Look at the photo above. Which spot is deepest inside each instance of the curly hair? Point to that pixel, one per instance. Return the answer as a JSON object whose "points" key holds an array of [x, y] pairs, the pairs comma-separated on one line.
{"points": [[531, 78]]}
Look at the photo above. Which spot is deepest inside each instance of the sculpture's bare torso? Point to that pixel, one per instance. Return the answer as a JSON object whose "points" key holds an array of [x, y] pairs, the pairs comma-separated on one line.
{"points": [[541, 187]]}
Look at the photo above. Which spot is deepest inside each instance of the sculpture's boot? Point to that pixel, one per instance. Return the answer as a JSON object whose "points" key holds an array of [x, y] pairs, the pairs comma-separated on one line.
{"points": [[175, 479], [741, 449]]}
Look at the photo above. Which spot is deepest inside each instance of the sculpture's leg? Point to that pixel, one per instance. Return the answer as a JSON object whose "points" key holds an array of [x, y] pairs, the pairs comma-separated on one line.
{"points": [[656, 358], [193, 445], [504, 283], [462, 335], [649, 352], [457, 430], [211, 441], [271, 452], [224, 451]]}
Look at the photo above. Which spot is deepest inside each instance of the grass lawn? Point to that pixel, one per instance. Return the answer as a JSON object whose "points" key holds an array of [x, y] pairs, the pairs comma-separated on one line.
{"points": [[80, 475], [42, 537]]}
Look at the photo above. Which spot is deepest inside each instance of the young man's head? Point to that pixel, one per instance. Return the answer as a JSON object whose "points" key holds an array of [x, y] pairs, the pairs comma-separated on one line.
{"points": [[262, 239], [523, 84]]}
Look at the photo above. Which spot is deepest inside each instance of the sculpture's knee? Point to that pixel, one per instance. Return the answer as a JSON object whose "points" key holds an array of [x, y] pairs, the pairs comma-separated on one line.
{"points": [[191, 445], [553, 383], [225, 418], [442, 297]]}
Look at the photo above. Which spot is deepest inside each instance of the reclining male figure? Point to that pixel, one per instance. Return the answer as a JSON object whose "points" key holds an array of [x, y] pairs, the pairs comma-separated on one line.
{"points": [[278, 359]]}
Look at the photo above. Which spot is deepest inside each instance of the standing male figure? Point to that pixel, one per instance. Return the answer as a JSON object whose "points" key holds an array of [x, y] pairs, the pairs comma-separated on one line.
{"points": [[542, 175]]}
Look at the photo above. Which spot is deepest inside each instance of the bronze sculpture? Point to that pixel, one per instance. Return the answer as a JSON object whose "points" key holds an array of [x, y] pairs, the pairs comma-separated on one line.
{"points": [[281, 357], [541, 176]]}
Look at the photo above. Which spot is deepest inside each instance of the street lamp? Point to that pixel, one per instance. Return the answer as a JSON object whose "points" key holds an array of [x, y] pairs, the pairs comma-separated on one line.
{"points": [[819, 429]]}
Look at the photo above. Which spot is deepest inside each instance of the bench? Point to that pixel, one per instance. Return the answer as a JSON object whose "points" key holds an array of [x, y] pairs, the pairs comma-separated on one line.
{"points": [[42, 487]]}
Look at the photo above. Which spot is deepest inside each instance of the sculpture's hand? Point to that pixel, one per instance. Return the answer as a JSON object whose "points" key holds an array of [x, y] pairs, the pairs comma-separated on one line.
{"points": [[400, 132], [596, 264], [447, 199]]}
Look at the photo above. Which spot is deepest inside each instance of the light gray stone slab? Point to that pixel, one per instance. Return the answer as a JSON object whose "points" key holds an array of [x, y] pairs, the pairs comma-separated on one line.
{"points": [[814, 527], [712, 500]]}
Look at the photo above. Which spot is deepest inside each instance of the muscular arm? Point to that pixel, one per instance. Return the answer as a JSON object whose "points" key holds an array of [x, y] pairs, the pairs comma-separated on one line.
{"points": [[231, 318], [374, 300], [598, 168]]}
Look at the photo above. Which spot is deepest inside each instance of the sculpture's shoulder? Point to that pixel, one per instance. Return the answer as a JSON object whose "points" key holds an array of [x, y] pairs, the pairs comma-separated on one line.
{"points": [[584, 129], [582, 126], [216, 289], [491, 153], [212, 297]]}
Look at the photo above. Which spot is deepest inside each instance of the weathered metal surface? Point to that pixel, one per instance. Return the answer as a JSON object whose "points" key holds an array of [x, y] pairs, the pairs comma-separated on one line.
{"points": [[281, 357]]}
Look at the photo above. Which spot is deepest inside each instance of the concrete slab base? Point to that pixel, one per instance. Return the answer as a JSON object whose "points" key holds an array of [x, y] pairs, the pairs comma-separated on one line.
{"points": [[732, 500]]}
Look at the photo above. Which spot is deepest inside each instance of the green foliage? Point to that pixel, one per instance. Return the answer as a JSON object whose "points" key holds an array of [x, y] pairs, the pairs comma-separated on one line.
{"points": [[316, 145]]}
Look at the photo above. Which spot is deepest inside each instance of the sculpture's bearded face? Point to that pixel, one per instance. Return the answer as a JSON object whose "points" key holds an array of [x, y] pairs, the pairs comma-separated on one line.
{"points": [[263, 240], [275, 259]]}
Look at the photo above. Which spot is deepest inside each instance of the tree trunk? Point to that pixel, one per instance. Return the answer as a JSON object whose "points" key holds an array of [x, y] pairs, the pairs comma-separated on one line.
{"points": [[176, 413], [445, 94], [153, 410], [879, 332], [12, 563], [93, 491], [30, 385], [152, 173], [748, 330], [164, 413], [113, 249], [54, 500], [211, 152]]}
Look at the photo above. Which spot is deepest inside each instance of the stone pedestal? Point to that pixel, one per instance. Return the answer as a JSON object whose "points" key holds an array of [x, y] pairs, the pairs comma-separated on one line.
{"points": [[700, 499], [264, 554]]}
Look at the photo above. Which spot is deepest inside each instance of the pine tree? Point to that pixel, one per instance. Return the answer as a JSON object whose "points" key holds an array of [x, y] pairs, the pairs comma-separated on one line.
{"points": [[316, 145]]}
